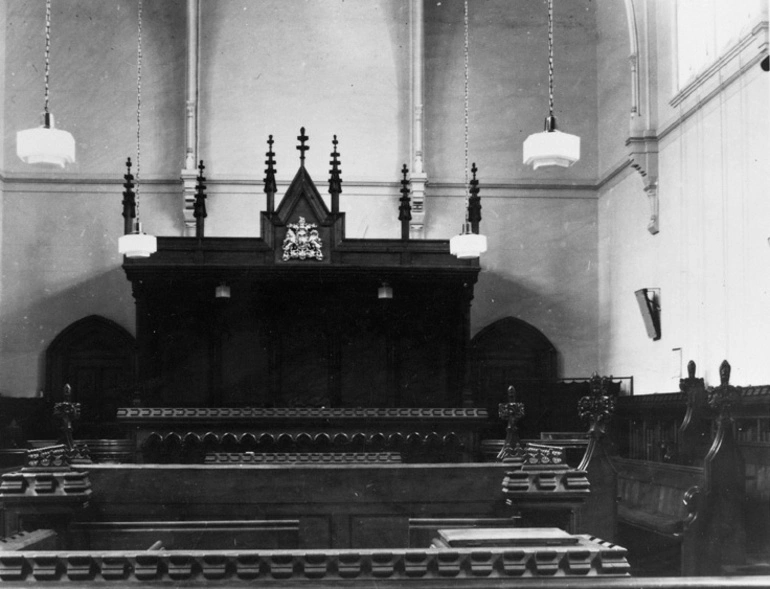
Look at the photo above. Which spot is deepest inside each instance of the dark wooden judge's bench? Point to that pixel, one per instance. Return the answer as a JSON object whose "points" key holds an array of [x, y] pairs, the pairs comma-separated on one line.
{"points": [[299, 414]]}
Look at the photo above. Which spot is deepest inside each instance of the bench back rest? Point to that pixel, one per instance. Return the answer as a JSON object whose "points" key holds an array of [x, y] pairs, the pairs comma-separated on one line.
{"points": [[656, 487]]}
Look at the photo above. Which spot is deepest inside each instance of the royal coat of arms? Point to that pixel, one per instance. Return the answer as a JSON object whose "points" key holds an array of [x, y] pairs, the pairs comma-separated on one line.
{"points": [[302, 241]]}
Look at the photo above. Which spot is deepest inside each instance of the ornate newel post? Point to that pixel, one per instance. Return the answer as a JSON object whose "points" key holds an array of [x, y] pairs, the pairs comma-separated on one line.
{"points": [[67, 412], [47, 492], [725, 480], [405, 208], [695, 429], [597, 408], [512, 411]]}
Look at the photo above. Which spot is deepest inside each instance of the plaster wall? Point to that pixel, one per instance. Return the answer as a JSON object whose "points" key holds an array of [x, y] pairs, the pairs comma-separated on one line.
{"points": [[708, 256], [271, 67], [614, 96]]}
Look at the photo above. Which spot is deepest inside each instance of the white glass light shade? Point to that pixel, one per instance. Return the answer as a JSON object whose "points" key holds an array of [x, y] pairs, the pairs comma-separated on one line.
{"points": [[137, 244], [46, 144], [222, 291], [551, 148], [385, 291], [467, 245]]}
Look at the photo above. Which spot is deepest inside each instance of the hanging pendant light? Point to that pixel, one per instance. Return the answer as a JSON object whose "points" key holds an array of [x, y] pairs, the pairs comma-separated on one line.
{"points": [[46, 144], [138, 244], [551, 147], [467, 244]]}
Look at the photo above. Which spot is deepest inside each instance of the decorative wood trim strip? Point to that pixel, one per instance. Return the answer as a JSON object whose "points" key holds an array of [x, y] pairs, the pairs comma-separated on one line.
{"points": [[588, 557], [196, 414], [303, 458]]}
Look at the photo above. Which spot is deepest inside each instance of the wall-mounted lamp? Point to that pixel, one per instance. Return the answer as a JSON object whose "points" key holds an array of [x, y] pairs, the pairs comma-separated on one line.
{"points": [[385, 291], [222, 291], [649, 305]]}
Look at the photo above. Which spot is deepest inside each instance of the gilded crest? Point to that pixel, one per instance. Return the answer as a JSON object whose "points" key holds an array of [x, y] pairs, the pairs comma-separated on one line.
{"points": [[302, 241]]}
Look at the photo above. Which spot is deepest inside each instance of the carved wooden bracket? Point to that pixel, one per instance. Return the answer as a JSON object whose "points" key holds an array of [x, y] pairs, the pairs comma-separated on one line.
{"points": [[643, 155]]}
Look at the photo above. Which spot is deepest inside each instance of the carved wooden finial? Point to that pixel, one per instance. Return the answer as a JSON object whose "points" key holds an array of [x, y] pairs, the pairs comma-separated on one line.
{"points": [[512, 411], [302, 138], [474, 201], [599, 406], [405, 208], [724, 397], [270, 185], [67, 412], [199, 206], [335, 179], [129, 200], [691, 369], [724, 373]]}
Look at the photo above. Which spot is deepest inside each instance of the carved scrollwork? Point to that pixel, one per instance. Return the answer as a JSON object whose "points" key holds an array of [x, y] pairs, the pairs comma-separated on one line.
{"points": [[598, 407], [691, 500]]}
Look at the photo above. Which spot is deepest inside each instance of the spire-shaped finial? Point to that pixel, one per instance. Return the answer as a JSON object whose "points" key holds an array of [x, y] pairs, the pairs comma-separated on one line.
{"points": [[199, 206], [129, 200], [474, 201], [335, 178], [405, 209], [302, 147], [270, 171]]}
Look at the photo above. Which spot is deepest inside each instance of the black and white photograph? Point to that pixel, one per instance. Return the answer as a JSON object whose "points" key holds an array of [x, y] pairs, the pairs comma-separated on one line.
{"points": [[385, 294]]}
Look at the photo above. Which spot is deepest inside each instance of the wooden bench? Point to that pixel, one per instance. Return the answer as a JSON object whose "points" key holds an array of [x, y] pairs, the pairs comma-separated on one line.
{"points": [[653, 495], [696, 510]]}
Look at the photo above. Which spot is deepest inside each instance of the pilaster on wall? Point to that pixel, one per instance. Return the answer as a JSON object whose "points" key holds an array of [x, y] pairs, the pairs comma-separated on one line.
{"points": [[188, 189], [189, 173], [418, 177], [642, 142]]}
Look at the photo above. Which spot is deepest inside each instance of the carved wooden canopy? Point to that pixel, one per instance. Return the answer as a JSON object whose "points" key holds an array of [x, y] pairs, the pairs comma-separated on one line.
{"points": [[301, 236], [304, 326]]}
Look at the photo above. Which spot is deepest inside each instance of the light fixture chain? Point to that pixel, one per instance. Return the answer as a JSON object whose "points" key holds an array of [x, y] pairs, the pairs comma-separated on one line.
{"points": [[466, 103], [550, 57], [138, 102], [47, 49]]}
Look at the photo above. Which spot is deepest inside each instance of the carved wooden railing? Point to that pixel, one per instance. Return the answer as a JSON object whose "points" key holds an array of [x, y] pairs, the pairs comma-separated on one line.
{"points": [[492, 566], [187, 434]]}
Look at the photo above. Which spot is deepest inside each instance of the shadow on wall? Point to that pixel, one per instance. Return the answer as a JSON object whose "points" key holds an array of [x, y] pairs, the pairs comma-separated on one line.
{"points": [[31, 327], [497, 297]]}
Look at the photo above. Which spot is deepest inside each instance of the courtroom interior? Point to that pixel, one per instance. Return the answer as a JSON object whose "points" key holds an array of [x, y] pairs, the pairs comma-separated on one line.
{"points": [[384, 293]]}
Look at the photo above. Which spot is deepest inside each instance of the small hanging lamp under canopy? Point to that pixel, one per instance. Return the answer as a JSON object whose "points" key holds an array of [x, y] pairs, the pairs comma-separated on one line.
{"points": [[135, 243], [469, 243], [46, 144], [551, 147], [385, 291]]}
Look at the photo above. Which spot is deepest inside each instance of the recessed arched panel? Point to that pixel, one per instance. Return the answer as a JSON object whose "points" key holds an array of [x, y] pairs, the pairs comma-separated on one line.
{"points": [[509, 352], [95, 356]]}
